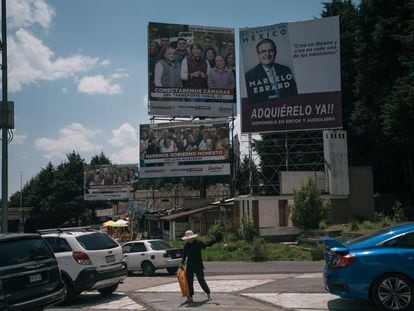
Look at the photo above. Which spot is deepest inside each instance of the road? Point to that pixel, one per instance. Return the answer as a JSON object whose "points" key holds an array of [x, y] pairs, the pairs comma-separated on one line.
{"points": [[235, 286]]}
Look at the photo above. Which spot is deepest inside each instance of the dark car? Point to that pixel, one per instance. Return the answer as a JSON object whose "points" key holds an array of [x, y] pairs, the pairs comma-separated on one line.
{"points": [[378, 266], [29, 273]]}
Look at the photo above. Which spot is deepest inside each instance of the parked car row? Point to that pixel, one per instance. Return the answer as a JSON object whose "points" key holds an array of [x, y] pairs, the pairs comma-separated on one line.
{"points": [[56, 265]]}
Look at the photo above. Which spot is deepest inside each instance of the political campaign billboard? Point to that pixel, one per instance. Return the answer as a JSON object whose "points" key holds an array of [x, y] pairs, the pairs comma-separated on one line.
{"points": [[291, 77], [191, 71], [184, 149], [109, 182]]}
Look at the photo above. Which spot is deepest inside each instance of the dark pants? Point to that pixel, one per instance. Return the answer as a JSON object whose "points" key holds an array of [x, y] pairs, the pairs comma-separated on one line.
{"points": [[200, 277]]}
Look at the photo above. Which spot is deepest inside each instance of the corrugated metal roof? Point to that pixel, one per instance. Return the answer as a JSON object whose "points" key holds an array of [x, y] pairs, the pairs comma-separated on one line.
{"points": [[190, 212]]}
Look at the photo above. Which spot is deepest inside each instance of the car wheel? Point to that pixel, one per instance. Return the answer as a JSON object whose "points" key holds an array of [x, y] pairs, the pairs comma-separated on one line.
{"points": [[393, 291], [108, 290], [147, 268], [172, 270], [70, 292]]}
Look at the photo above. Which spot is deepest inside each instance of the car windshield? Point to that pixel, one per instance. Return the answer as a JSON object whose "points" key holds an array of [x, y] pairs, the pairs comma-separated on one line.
{"points": [[19, 251], [96, 241], [159, 245]]}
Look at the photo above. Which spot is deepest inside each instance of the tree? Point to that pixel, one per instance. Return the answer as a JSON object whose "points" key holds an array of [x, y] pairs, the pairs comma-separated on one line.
{"points": [[243, 176], [383, 76], [309, 207], [100, 159]]}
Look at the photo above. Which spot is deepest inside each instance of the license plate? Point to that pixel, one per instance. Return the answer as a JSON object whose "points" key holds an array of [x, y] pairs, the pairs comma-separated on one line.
{"points": [[110, 258], [35, 278]]}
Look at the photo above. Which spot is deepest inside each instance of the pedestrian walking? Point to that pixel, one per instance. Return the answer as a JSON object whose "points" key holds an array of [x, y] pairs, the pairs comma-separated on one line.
{"points": [[194, 262]]}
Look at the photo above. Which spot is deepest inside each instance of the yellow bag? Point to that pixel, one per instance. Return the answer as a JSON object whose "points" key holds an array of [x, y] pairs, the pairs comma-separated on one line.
{"points": [[182, 281]]}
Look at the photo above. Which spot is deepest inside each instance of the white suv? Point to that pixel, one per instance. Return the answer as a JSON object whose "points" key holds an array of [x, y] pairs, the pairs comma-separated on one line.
{"points": [[89, 260], [149, 255]]}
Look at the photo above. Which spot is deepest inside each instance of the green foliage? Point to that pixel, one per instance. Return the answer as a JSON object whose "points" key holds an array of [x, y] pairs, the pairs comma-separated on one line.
{"points": [[247, 167], [56, 196], [100, 159], [354, 225], [309, 207], [318, 253], [399, 213], [216, 231], [259, 250], [247, 231], [322, 224]]}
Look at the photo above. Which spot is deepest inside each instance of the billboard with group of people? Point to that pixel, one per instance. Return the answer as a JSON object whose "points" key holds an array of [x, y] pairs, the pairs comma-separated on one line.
{"points": [[191, 70], [289, 81], [109, 182], [289, 74], [182, 149]]}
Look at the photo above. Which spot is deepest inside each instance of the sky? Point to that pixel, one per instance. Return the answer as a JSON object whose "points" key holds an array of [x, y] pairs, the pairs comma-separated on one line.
{"points": [[77, 71]]}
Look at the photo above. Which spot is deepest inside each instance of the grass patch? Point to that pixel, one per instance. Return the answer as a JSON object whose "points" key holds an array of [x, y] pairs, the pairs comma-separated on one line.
{"points": [[258, 250]]}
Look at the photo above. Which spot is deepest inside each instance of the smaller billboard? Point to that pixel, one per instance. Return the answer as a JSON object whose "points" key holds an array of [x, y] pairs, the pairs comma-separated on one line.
{"points": [[109, 182], [191, 70], [183, 149], [291, 77]]}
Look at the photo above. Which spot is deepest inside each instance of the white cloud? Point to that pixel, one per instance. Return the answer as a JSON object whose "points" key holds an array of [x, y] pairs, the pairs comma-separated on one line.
{"points": [[31, 61], [145, 101], [98, 85], [126, 134], [18, 139], [127, 155], [120, 73], [72, 137], [24, 13]]}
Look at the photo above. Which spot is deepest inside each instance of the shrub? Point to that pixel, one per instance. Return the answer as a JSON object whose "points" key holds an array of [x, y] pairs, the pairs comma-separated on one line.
{"points": [[354, 225], [309, 207], [259, 250], [398, 212], [247, 230], [318, 253], [217, 232]]}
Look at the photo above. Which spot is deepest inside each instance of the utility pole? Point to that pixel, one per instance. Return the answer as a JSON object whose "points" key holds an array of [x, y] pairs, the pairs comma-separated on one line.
{"points": [[4, 120]]}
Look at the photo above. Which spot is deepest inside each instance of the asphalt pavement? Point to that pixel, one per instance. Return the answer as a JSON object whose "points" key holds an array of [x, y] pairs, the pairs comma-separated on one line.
{"points": [[267, 267], [249, 286]]}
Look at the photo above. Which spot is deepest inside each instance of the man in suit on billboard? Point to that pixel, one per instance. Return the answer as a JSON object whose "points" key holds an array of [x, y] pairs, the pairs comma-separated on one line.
{"points": [[269, 80]]}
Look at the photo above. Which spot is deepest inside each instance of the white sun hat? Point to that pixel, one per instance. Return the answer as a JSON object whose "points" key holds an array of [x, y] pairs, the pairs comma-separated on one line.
{"points": [[189, 234]]}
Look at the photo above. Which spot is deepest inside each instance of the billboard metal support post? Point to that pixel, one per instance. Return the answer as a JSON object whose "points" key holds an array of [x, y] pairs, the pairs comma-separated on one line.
{"points": [[4, 121]]}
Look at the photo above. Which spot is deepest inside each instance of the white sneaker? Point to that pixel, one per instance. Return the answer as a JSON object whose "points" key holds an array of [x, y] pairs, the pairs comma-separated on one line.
{"points": [[209, 297], [189, 300]]}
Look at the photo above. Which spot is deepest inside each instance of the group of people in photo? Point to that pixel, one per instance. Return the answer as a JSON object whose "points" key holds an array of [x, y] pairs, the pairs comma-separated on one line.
{"points": [[184, 140], [110, 175], [194, 66]]}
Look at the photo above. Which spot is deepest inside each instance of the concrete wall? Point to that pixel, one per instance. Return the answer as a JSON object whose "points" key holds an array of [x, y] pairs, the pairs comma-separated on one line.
{"points": [[360, 202]]}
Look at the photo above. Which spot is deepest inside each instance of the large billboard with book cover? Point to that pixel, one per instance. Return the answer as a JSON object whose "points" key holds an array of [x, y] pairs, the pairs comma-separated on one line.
{"points": [[110, 182], [191, 71], [185, 149], [291, 77]]}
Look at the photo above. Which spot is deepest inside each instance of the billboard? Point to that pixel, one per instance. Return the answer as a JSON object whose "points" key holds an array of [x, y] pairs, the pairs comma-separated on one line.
{"points": [[191, 71], [109, 182], [184, 149], [291, 77]]}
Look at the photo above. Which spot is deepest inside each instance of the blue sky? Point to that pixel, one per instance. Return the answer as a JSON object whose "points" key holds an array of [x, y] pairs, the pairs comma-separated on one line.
{"points": [[78, 70]]}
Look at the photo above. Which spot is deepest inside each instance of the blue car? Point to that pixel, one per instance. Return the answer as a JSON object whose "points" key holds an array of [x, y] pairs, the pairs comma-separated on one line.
{"points": [[377, 267]]}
